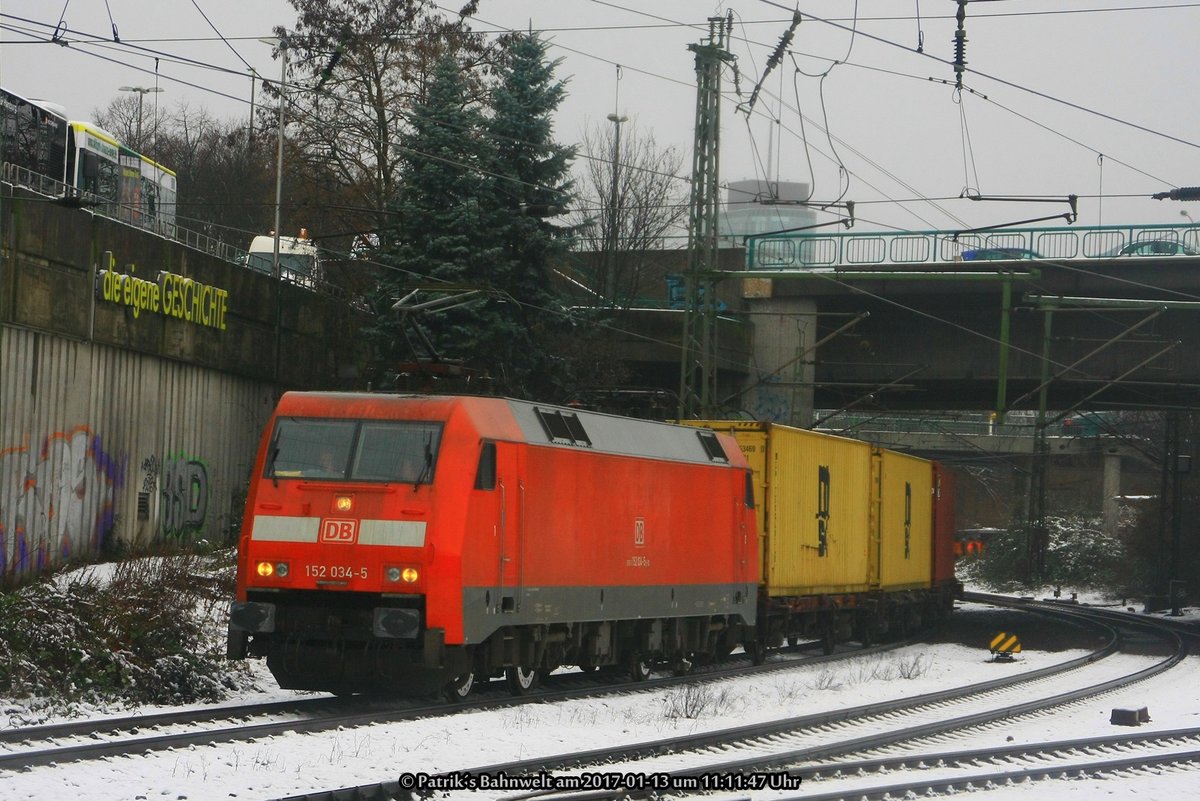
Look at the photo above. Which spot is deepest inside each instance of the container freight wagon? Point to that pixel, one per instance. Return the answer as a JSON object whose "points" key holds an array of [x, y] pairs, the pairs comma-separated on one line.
{"points": [[846, 535], [406, 543], [945, 584]]}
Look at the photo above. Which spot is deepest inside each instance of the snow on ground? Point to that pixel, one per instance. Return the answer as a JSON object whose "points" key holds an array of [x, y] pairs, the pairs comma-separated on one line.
{"points": [[294, 763]]}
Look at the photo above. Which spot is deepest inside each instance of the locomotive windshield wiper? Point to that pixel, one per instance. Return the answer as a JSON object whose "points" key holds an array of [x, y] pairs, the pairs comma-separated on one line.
{"points": [[272, 453], [427, 470]]}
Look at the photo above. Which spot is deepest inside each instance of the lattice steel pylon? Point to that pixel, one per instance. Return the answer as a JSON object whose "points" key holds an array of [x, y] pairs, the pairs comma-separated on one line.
{"points": [[697, 363]]}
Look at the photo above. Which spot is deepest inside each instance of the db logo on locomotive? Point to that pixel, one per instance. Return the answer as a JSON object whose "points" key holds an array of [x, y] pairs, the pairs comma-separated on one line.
{"points": [[344, 532]]}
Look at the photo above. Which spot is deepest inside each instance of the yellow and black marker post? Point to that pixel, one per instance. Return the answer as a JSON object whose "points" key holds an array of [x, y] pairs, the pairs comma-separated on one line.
{"points": [[1005, 647]]}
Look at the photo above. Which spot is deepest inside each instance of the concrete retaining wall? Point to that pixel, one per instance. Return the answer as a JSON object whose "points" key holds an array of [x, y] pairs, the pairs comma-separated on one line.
{"points": [[135, 378]]}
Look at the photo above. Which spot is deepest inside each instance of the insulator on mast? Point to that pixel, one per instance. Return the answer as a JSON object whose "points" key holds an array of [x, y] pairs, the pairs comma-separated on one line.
{"points": [[960, 44]]}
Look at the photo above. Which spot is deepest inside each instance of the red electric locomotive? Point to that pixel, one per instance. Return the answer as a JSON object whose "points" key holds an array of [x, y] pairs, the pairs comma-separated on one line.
{"points": [[404, 543]]}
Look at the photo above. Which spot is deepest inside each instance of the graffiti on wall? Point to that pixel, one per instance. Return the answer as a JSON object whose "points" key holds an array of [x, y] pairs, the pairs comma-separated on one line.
{"points": [[56, 499], [771, 401], [184, 498], [149, 474]]}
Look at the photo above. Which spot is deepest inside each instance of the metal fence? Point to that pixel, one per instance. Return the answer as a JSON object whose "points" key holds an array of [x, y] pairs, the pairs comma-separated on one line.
{"points": [[196, 240], [69, 195], [797, 251], [1015, 424]]}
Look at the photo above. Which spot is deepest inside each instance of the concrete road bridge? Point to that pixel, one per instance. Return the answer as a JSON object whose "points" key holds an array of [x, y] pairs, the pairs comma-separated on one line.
{"points": [[1064, 318]]}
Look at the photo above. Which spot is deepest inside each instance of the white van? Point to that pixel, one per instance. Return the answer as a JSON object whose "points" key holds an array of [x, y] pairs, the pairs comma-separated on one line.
{"points": [[299, 261]]}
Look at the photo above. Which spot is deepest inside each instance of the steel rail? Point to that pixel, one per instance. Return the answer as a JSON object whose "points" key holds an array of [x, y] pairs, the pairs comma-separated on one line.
{"points": [[855, 745], [94, 726], [722, 737], [954, 758], [391, 713], [1074, 770]]}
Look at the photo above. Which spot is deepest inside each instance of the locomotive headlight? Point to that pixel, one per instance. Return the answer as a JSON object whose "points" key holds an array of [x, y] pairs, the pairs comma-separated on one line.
{"points": [[343, 503], [407, 575], [268, 569]]}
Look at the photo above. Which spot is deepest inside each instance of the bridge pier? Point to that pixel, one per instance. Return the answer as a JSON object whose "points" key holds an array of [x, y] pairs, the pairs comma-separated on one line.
{"points": [[780, 386], [1111, 489]]}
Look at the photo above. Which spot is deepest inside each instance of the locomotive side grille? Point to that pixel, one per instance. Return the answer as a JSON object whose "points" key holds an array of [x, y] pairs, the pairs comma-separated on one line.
{"points": [[563, 428]]}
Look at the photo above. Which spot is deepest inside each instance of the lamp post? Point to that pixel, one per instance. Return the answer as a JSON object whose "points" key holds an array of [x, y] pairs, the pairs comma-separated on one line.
{"points": [[250, 127], [275, 272], [283, 58], [142, 91], [1188, 216], [610, 273]]}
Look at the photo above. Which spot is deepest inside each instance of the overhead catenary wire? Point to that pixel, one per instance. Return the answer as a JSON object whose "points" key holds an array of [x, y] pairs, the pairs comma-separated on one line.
{"points": [[747, 23], [635, 11], [992, 100], [681, 179], [37, 40], [242, 100], [969, 167], [677, 176], [501, 29], [854, 30], [228, 44], [1013, 85]]}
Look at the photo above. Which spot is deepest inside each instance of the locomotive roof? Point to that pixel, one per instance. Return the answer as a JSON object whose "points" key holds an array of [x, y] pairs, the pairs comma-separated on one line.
{"points": [[507, 419]]}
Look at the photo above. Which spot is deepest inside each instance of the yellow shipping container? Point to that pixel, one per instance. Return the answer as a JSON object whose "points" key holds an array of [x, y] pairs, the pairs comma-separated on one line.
{"points": [[906, 521], [813, 497]]}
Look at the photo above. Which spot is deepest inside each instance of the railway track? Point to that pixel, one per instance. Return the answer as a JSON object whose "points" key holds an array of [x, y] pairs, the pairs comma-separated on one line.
{"points": [[132, 724], [26, 747], [781, 754], [999, 767], [971, 771]]}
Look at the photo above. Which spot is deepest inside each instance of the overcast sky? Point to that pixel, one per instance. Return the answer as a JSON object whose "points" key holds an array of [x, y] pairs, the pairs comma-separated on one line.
{"points": [[1098, 98]]}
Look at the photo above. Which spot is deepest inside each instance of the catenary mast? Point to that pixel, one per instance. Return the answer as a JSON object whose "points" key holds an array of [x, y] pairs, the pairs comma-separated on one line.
{"points": [[697, 367]]}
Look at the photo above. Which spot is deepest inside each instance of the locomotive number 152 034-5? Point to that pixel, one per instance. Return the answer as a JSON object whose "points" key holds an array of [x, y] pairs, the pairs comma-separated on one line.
{"points": [[335, 572]]}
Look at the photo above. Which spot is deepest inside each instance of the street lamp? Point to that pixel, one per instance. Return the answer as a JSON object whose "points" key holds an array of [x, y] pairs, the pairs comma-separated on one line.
{"points": [[1188, 216], [142, 91], [610, 277], [275, 41], [276, 274]]}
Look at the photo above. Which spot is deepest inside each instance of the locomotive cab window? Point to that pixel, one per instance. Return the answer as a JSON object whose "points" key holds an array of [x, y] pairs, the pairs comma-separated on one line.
{"points": [[485, 475], [397, 452], [354, 450]]}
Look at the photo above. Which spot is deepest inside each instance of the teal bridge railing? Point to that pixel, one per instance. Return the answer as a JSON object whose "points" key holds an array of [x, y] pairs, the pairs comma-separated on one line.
{"points": [[813, 250]]}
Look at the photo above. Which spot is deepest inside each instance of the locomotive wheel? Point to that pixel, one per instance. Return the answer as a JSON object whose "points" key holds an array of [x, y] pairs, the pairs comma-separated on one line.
{"points": [[521, 680], [681, 668], [458, 689], [757, 651], [866, 634], [722, 651], [865, 630], [639, 667]]}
